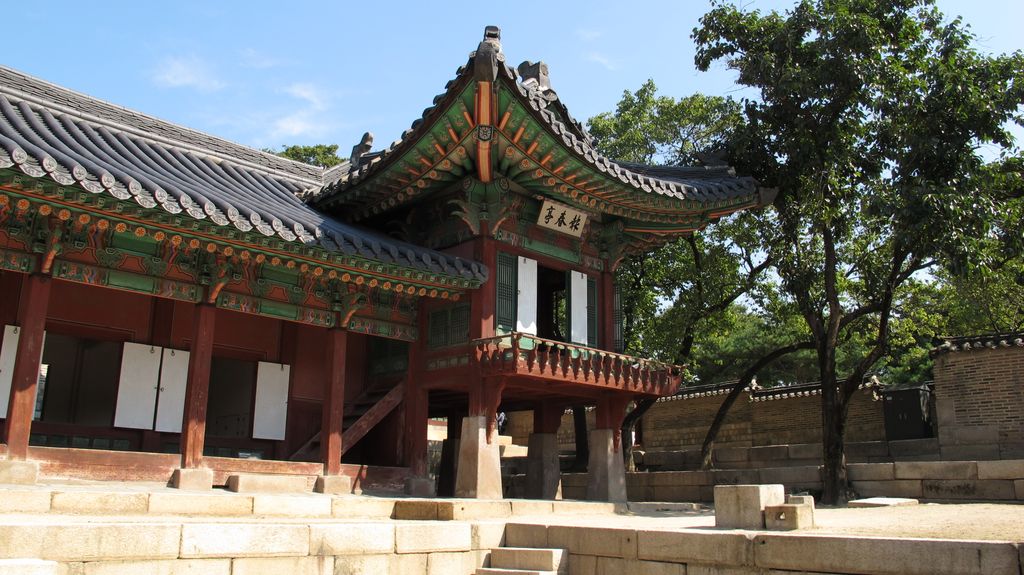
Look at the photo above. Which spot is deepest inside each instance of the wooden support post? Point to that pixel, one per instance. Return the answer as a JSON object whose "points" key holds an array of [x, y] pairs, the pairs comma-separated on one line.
{"points": [[610, 412], [35, 296], [484, 300], [416, 410], [607, 315], [547, 418], [200, 357], [334, 401]]}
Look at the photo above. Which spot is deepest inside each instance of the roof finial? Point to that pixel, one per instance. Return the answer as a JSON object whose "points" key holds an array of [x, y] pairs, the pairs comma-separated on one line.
{"points": [[487, 56], [535, 75], [361, 149]]}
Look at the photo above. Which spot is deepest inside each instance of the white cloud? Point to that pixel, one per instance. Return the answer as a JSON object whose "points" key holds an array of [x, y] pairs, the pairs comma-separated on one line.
{"points": [[588, 35], [309, 93], [187, 72], [606, 62], [299, 124], [255, 59]]}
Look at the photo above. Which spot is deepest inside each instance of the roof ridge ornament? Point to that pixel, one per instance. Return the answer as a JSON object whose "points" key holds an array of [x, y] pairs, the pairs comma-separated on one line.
{"points": [[361, 149], [534, 75], [488, 55]]}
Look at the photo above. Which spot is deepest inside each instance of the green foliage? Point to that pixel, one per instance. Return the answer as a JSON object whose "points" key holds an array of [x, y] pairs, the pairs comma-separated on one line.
{"points": [[870, 118], [323, 155]]}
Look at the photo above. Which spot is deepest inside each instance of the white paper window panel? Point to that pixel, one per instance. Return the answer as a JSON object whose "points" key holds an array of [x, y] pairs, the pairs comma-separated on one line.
{"points": [[170, 404], [271, 401], [137, 388], [578, 313], [526, 308], [8, 354]]}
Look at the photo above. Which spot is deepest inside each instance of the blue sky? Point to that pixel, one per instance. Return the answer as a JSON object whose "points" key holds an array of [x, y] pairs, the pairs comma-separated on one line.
{"points": [[268, 74]]}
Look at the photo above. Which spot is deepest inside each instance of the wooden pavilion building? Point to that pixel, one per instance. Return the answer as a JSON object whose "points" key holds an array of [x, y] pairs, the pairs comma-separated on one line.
{"points": [[181, 308]]}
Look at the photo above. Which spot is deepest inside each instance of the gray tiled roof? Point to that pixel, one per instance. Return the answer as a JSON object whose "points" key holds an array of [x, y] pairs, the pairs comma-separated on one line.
{"points": [[49, 132]]}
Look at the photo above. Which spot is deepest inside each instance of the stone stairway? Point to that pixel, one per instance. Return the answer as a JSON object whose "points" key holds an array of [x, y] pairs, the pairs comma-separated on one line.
{"points": [[526, 561]]}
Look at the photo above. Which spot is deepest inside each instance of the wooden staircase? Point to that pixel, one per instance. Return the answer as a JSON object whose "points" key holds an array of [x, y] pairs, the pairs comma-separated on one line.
{"points": [[360, 416]]}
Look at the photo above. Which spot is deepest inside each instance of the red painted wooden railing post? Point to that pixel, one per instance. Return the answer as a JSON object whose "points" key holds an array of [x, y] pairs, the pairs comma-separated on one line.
{"points": [[35, 297]]}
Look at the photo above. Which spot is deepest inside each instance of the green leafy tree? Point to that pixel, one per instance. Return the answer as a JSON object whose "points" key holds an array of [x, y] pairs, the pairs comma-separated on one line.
{"points": [[869, 122], [323, 155]]}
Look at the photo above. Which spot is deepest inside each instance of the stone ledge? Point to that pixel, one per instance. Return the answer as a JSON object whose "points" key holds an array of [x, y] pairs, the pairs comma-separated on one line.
{"points": [[77, 541], [201, 540], [734, 549], [30, 567], [256, 483]]}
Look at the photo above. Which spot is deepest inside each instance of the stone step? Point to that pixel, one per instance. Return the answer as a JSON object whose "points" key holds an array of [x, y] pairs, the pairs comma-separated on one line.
{"points": [[503, 571], [529, 558], [30, 567]]}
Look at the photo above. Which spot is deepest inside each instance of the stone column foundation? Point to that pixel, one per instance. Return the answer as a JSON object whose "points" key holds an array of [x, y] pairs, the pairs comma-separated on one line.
{"points": [[479, 467], [543, 476], [606, 473]]}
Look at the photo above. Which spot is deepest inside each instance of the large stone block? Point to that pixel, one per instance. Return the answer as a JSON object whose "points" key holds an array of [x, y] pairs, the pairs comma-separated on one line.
{"points": [[289, 565], [894, 488], [527, 507], [243, 540], [742, 506], [981, 489], [30, 567], [479, 465], [860, 450], [543, 476], [768, 454], [429, 537], [92, 502], [936, 469], [192, 479], [260, 483], [464, 510], [25, 500], [676, 493], [598, 541], [1018, 487], [526, 535], [487, 534], [570, 507], [790, 475], [969, 452], [333, 484], [80, 541], [903, 448], [732, 454], [159, 567], [363, 507], [606, 471], [736, 476], [292, 505], [805, 451], [176, 503], [681, 478], [451, 563], [711, 547], [351, 538], [1011, 469], [408, 563], [530, 559], [616, 566], [882, 556], [367, 565], [788, 517], [18, 472], [870, 471]]}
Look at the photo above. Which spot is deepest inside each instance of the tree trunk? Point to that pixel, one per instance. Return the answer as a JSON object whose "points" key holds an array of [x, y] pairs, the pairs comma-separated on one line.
{"points": [[835, 486], [628, 424], [579, 421]]}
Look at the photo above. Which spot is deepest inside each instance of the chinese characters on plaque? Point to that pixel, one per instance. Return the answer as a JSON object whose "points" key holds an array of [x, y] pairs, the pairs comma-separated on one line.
{"points": [[562, 218]]}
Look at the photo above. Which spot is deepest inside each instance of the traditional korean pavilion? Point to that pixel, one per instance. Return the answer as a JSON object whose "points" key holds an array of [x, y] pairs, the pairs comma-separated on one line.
{"points": [[181, 308]]}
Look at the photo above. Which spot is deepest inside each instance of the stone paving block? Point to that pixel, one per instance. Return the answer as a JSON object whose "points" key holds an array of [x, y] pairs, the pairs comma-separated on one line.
{"points": [[883, 556], [732, 454], [75, 541], [676, 493], [450, 563], [1010, 469], [970, 489], [711, 547], [256, 483], [333, 484], [283, 565], [788, 517], [1018, 487], [529, 507], [805, 451], [735, 477], [464, 510], [871, 471], [18, 472], [681, 478], [177, 503], [582, 565], [351, 538], [109, 503], [742, 506], [292, 505], [894, 488], [30, 567], [800, 500], [526, 558], [200, 540], [416, 509], [192, 479], [487, 534], [24, 500], [882, 502], [407, 563], [769, 453], [584, 507], [861, 449], [936, 470], [430, 537], [701, 569], [902, 448], [364, 565], [526, 535], [606, 542], [363, 507], [969, 452], [159, 567]]}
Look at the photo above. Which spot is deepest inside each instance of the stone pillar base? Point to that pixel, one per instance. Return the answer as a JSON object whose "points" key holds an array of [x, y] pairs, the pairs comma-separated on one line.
{"points": [[479, 467], [195, 479], [419, 487], [543, 474], [333, 484], [19, 472], [606, 473]]}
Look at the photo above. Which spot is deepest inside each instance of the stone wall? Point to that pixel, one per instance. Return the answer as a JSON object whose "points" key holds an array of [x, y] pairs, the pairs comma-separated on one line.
{"points": [[979, 397]]}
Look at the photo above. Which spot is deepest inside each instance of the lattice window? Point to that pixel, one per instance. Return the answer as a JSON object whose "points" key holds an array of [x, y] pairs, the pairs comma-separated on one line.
{"points": [[505, 312]]}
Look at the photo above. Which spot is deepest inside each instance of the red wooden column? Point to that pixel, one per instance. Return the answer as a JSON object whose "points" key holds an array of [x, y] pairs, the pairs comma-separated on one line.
{"points": [[193, 426], [483, 300], [35, 296], [334, 401], [416, 409]]}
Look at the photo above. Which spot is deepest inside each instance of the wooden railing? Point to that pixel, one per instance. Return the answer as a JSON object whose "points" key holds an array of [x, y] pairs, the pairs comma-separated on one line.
{"points": [[531, 356]]}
